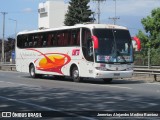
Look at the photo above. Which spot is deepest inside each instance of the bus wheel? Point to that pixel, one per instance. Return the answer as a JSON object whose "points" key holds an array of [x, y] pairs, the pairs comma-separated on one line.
{"points": [[107, 80], [32, 71], [75, 74]]}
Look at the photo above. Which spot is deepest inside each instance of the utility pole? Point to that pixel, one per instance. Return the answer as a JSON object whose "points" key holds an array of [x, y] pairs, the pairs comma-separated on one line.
{"points": [[98, 9], [3, 13], [115, 18]]}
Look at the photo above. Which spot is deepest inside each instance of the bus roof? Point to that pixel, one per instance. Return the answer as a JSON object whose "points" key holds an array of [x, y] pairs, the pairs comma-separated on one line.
{"points": [[90, 26]]}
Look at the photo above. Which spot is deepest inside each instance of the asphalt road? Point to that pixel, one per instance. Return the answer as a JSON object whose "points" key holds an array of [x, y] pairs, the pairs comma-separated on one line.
{"points": [[19, 92]]}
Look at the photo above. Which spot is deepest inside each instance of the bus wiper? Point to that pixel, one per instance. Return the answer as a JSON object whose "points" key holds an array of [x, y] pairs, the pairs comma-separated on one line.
{"points": [[118, 53]]}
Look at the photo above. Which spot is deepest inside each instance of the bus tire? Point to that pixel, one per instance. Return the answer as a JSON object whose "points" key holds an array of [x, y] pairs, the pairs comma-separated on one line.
{"points": [[107, 80], [75, 74], [32, 71]]}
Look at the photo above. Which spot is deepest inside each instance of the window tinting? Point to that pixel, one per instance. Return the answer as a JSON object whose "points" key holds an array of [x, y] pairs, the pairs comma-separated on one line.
{"points": [[61, 38]]}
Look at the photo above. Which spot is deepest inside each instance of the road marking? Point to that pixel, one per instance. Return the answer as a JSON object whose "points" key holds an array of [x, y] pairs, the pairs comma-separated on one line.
{"points": [[117, 86], [113, 86], [158, 91], [19, 84], [46, 108], [152, 83], [9, 71], [7, 82]]}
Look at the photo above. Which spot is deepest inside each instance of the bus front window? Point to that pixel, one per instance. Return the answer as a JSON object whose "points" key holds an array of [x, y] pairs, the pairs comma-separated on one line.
{"points": [[114, 46]]}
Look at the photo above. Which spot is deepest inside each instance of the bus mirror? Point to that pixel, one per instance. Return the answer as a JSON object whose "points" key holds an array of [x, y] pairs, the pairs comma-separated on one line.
{"points": [[138, 43], [95, 41]]}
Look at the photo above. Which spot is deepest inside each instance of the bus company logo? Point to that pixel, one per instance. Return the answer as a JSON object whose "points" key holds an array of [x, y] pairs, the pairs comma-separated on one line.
{"points": [[75, 52], [51, 62]]}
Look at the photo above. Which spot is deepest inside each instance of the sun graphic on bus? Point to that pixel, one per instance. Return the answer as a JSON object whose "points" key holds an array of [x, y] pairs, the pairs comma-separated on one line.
{"points": [[51, 62], [54, 61]]}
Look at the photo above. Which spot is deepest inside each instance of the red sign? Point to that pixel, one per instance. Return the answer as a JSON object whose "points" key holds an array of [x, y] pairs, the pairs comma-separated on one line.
{"points": [[75, 52]]}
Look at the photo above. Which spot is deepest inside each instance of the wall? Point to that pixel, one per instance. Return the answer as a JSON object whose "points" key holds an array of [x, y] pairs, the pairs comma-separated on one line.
{"points": [[52, 14]]}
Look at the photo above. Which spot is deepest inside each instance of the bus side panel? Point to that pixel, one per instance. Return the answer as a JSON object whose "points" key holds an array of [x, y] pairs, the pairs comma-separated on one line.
{"points": [[85, 67], [54, 61], [23, 59], [18, 61]]}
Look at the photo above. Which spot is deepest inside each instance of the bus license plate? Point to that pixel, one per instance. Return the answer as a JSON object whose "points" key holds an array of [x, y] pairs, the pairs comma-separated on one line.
{"points": [[116, 74]]}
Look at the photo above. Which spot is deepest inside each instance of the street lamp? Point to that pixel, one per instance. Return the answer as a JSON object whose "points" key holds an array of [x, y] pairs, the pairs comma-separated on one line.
{"points": [[15, 26]]}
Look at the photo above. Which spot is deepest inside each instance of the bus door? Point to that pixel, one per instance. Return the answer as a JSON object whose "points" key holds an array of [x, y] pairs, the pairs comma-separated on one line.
{"points": [[87, 49]]}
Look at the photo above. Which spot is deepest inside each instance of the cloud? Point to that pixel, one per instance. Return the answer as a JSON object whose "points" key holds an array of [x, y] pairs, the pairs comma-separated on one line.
{"points": [[28, 10]]}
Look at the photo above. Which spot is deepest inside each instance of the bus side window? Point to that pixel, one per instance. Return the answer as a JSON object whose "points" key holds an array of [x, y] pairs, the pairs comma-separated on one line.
{"points": [[25, 44], [75, 37], [49, 37], [58, 38], [25, 39], [21, 40], [61, 39], [35, 43], [78, 37], [71, 38], [40, 40], [65, 38], [55, 39], [30, 41], [44, 40]]}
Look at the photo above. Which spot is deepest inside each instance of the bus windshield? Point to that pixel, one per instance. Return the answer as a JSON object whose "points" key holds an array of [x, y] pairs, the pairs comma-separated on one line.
{"points": [[114, 46]]}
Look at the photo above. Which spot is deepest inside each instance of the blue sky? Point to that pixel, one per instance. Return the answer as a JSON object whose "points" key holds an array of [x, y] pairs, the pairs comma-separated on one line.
{"points": [[26, 13]]}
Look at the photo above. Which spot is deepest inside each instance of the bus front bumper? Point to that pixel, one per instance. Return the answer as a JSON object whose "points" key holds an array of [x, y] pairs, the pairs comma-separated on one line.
{"points": [[113, 74]]}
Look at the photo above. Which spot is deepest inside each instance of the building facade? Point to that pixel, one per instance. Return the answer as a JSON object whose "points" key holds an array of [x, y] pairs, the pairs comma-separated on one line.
{"points": [[51, 14]]}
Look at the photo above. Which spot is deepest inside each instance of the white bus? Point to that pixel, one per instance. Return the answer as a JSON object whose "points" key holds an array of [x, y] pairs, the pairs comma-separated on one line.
{"points": [[80, 51]]}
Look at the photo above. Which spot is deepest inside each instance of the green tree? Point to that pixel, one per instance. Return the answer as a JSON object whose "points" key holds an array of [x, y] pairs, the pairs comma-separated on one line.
{"points": [[78, 12], [142, 56], [151, 37], [152, 27]]}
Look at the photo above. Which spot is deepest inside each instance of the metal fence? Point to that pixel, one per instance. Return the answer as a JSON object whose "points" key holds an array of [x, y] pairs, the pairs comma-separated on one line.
{"points": [[140, 70]]}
